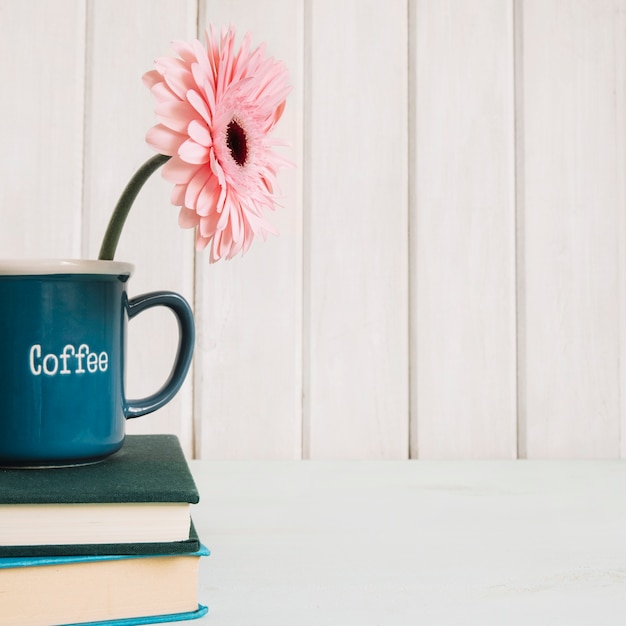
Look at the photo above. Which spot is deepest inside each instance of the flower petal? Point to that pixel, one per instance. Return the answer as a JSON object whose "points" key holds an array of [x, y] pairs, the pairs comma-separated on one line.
{"points": [[187, 218], [279, 111], [225, 244], [192, 152], [198, 103], [177, 171], [176, 74], [162, 93], [164, 139], [199, 132], [178, 195], [207, 200], [151, 78], [208, 225], [204, 58], [202, 243], [184, 50], [225, 216], [175, 115], [215, 247], [235, 220], [195, 186], [203, 79]]}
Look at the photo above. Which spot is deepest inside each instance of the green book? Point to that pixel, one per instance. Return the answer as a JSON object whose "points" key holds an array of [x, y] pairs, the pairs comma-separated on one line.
{"points": [[137, 501]]}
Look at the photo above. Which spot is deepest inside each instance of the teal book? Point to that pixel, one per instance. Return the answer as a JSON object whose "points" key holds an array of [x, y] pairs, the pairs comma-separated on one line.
{"points": [[201, 611], [112, 589], [137, 501]]}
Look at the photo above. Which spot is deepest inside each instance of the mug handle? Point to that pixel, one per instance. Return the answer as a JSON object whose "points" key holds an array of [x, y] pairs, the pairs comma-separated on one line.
{"points": [[186, 329]]}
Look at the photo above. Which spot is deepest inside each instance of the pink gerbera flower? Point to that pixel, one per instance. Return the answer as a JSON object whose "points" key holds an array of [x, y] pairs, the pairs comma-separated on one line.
{"points": [[217, 107]]}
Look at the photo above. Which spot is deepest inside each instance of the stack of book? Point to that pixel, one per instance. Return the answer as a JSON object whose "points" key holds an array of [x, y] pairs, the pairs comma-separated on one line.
{"points": [[111, 542]]}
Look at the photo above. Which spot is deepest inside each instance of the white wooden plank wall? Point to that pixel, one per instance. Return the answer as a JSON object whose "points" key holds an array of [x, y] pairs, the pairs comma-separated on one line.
{"points": [[42, 70], [356, 315], [248, 377], [450, 277], [572, 73], [463, 230]]}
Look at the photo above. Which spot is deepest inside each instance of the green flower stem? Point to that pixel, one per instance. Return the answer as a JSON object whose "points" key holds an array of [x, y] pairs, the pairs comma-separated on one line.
{"points": [[122, 208]]}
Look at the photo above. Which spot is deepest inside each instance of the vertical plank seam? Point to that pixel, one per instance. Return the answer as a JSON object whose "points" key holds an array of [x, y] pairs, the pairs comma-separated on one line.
{"points": [[196, 438], [198, 388], [620, 41], [299, 204], [519, 209], [412, 208], [84, 217], [307, 33]]}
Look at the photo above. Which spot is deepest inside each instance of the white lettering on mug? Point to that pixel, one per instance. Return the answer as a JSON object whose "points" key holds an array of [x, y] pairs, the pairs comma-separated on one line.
{"points": [[51, 370], [71, 361]]}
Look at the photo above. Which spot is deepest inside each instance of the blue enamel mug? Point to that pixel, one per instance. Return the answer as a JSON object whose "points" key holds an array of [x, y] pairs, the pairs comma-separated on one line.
{"points": [[63, 328]]}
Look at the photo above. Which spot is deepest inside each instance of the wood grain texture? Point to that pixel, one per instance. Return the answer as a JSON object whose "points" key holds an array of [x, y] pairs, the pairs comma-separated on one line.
{"points": [[119, 112], [42, 67], [356, 257], [572, 205], [620, 163], [496, 127], [463, 371], [248, 359]]}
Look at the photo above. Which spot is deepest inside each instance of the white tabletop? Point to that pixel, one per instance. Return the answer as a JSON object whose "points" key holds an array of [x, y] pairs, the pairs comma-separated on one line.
{"points": [[415, 542]]}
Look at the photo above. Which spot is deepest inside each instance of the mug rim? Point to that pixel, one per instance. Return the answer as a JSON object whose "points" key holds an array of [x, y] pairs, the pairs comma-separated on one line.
{"points": [[45, 267]]}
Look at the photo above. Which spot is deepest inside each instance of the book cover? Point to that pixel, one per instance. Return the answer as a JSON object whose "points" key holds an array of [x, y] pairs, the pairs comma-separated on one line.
{"points": [[148, 468], [192, 544], [153, 619], [41, 561], [140, 495], [112, 589]]}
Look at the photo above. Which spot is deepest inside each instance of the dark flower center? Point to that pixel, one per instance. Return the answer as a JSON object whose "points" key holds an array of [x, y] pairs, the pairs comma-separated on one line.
{"points": [[236, 142]]}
